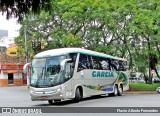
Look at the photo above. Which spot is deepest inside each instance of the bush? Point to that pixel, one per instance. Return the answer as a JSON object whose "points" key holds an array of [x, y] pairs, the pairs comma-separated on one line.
{"points": [[143, 86]]}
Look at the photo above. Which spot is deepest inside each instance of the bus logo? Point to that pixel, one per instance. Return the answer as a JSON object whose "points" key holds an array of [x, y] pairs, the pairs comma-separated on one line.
{"points": [[102, 74]]}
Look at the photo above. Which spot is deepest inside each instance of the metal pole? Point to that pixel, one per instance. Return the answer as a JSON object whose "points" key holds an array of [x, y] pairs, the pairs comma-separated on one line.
{"points": [[149, 55], [18, 75], [18, 70], [25, 37]]}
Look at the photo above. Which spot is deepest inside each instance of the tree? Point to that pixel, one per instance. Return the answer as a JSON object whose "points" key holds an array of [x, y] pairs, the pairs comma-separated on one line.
{"points": [[19, 8], [145, 14], [107, 26]]}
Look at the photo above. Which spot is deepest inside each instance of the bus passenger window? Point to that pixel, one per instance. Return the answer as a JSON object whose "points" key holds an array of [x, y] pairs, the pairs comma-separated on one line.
{"points": [[121, 66], [97, 63], [83, 62], [125, 65], [114, 64], [105, 65], [90, 62]]}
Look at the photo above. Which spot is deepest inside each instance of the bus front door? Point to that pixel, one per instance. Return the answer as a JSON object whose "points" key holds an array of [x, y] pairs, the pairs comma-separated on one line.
{"points": [[68, 75]]}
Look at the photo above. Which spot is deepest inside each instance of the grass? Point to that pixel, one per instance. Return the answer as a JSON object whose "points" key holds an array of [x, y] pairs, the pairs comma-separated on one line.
{"points": [[143, 86]]}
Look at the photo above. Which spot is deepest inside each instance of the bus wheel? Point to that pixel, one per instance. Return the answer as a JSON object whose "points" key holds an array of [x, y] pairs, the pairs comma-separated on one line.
{"points": [[115, 93], [50, 101], [78, 95], [120, 90]]}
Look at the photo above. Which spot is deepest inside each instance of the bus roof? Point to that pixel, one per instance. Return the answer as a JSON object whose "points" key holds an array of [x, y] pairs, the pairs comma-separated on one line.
{"points": [[64, 51]]}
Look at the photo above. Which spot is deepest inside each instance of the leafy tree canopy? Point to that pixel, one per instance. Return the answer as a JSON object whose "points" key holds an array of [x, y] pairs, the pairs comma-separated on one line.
{"points": [[19, 8], [120, 28]]}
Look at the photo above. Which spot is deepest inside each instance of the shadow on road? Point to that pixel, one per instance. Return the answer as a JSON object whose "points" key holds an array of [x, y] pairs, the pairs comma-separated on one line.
{"points": [[67, 102]]}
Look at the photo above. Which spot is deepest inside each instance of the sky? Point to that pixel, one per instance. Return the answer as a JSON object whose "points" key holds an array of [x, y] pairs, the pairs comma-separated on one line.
{"points": [[11, 25]]}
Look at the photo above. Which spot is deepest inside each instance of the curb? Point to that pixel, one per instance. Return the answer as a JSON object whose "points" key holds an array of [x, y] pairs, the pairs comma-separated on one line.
{"points": [[140, 92]]}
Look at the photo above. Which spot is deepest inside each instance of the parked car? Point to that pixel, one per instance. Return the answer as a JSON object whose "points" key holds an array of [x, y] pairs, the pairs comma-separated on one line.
{"points": [[158, 89], [136, 80], [155, 80]]}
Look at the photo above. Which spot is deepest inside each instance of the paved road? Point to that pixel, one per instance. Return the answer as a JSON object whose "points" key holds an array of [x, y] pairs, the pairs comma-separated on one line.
{"points": [[19, 96]]}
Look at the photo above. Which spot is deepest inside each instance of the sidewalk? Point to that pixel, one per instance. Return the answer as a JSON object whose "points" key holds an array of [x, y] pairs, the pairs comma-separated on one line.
{"points": [[140, 92]]}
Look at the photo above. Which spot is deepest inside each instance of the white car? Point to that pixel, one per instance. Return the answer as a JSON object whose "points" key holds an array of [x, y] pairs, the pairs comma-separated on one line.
{"points": [[158, 89], [136, 80]]}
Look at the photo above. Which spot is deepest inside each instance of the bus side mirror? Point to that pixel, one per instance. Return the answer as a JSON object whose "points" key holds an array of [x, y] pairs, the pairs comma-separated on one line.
{"points": [[26, 67], [63, 63], [70, 61]]}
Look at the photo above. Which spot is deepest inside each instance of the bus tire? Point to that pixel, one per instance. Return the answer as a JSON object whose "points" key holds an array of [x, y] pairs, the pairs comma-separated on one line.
{"points": [[50, 101], [115, 93], [120, 90], [78, 95]]}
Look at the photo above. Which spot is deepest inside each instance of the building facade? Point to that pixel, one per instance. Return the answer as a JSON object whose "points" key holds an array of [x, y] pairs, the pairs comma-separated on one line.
{"points": [[11, 69], [11, 66]]}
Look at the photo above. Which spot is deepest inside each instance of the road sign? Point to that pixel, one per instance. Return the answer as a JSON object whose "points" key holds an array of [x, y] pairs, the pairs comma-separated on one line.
{"points": [[153, 71]]}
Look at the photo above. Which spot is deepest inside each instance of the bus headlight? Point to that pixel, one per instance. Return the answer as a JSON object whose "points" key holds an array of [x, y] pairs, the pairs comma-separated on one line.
{"points": [[32, 92], [58, 90]]}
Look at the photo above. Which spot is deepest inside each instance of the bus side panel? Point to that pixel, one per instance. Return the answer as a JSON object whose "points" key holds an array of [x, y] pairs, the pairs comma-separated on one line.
{"points": [[106, 83], [84, 79], [93, 84], [96, 85], [126, 82]]}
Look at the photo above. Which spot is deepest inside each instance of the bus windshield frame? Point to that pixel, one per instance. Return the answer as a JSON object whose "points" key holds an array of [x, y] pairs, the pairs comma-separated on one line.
{"points": [[46, 72]]}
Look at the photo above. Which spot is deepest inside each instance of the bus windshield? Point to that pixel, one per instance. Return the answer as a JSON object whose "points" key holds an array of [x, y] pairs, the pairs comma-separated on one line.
{"points": [[46, 72]]}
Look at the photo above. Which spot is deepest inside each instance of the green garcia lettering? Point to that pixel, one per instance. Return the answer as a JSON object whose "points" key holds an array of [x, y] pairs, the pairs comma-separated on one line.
{"points": [[102, 74]]}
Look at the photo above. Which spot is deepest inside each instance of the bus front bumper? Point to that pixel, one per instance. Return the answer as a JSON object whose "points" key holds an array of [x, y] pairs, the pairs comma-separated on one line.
{"points": [[47, 95]]}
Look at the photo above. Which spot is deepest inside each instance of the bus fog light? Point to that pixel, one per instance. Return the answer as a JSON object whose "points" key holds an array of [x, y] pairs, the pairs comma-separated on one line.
{"points": [[61, 95]]}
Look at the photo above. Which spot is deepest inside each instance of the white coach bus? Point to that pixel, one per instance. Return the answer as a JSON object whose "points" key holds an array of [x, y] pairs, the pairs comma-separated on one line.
{"points": [[75, 73]]}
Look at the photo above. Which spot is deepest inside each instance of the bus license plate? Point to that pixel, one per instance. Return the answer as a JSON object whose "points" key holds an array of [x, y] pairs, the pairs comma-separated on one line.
{"points": [[44, 97]]}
